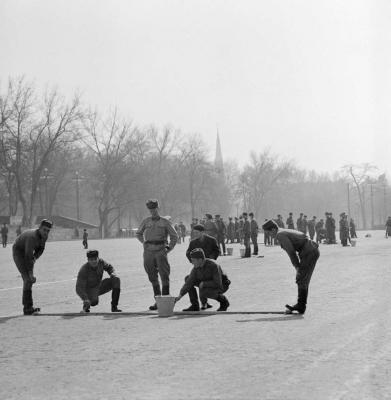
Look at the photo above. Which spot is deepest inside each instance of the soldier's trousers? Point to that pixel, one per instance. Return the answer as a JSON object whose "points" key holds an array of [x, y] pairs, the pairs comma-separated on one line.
{"points": [[4, 240], [105, 286], [254, 240], [308, 258], [155, 264], [205, 293], [27, 296], [246, 242], [220, 241]]}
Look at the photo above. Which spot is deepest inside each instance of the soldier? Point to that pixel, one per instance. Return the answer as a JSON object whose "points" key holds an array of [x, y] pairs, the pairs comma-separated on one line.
{"points": [[221, 232], [311, 227], [280, 221], [254, 233], [246, 235], [304, 225], [153, 233], [332, 229], [352, 228], [210, 279], [303, 253], [4, 234], [237, 232], [26, 250], [178, 232], [388, 227], [208, 244], [299, 223], [210, 226], [240, 230], [85, 239], [194, 222], [89, 284], [319, 229], [266, 237], [230, 231], [289, 222], [344, 229], [182, 230], [18, 230]]}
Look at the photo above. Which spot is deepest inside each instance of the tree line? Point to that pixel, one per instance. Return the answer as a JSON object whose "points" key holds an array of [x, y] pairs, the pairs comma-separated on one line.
{"points": [[59, 156]]}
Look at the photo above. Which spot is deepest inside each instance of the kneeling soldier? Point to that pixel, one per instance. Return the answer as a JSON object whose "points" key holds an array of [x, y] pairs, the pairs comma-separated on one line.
{"points": [[90, 286], [210, 279], [303, 254]]}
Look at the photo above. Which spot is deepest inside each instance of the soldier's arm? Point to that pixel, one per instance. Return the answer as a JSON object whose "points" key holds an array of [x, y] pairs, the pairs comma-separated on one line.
{"points": [[190, 281], [29, 247], [140, 232], [172, 234], [81, 284], [216, 281], [108, 268], [215, 249], [286, 244], [38, 252], [189, 249]]}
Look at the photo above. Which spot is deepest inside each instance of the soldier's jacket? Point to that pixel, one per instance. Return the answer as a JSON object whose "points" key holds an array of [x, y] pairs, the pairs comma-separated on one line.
{"points": [[318, 226], [246, 229], [208, 244], [280, 223], [221, 228], [153, 233], [89, 277], [210, 274], [29, 246], [211, 228], [230, 229], [289, 223], [253, 227], [311, 225], [4, 231], [295, 243]]}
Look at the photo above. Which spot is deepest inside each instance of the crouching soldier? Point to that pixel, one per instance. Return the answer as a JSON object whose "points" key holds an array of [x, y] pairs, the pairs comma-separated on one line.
{"points": [[210, 279], [303, 253], [89, 284]]}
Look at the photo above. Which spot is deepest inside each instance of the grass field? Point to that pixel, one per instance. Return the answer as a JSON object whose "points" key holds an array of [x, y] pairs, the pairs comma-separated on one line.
{"points": [[340, 349]]}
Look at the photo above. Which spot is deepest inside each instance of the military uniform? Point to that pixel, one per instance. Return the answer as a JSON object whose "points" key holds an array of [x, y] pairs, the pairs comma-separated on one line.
{"points": [[230, 231], [221, 232], [26, 250], [85, 239], [254, 235], [212, 283], [153, 233], [4, 235], [90, 285], [311, 228], [289, 222], [344, 230], [210, 227], [388, 227], [246, 236], [206, 243], [304, 254]]}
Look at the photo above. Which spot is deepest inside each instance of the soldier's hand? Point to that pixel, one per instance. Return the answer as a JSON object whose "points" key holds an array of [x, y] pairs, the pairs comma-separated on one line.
{"points": [[86, 304], [33, 279]]}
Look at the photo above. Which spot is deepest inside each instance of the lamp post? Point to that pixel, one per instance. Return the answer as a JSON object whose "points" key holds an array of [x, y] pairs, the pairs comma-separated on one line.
{"points": [[77, 179]]}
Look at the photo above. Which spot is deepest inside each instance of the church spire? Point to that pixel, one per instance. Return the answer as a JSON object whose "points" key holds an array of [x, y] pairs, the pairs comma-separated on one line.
{"points": [[219, 166]]}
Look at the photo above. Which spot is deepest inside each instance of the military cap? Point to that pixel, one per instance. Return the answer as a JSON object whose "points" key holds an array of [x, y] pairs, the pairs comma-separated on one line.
{"points": [[208, 216], [217, 216], [47, 223], [198, 227], [197, 253], [251, 214], [244, 214], [269, 225], [152, 203], [92, 254], [230, 218], [290, 213]]}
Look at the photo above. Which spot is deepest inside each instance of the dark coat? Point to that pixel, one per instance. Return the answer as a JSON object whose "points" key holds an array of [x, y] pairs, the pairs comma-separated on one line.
{"points": [[208, 244]]}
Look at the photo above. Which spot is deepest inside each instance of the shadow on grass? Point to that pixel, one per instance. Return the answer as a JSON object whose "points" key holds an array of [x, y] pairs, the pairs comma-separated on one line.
{"points": [[275, 319]]}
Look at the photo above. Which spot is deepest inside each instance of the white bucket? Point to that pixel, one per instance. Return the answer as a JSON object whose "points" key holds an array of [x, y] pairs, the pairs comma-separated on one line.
{"points": [[353, 242], [165, 305], [242, 252], [230, 251]]}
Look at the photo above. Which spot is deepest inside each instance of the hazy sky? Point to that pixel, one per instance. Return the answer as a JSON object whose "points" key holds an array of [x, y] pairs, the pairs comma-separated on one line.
{"points": [[309, 79]]}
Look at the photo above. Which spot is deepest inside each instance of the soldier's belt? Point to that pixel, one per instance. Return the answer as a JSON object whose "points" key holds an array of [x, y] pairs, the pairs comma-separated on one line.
{"points": [[155, 242]]}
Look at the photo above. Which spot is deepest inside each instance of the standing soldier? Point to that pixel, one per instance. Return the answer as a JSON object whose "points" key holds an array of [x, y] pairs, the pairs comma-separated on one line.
{"points": [[237, 232], [388, 227], [289, 222], [182, 230], [254, 233], [210, 226], [85, 239], [153, 233], [280, 221], [319, 228], [299, 223], [311, 227], [221, 232], [266, 237], [194, 222], [303, 253], [230, 231], [18, 230], [89, 284], [246, 235], [4, 234], [27, 248], [343, 229], [332, 229], [241, 224], [352, 227]]}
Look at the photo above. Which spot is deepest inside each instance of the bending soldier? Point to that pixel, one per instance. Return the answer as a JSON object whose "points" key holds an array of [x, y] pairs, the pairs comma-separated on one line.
{"points": [[26, 250], [89, 284], [303, 253]]}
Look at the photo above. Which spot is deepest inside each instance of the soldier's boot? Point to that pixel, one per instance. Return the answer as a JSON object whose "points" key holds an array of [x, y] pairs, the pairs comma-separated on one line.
{"points": [[166, 290], [205, 306], [195, 306], [115, 299], [156, 292], [301, 304], [27, 301], [224, 303]]}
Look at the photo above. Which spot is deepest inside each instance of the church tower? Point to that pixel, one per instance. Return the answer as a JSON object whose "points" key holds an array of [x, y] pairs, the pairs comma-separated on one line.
{"points": [[219, 165]]}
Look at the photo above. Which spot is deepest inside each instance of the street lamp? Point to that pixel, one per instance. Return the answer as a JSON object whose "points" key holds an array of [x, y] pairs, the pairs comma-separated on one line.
{"points": [[77, 179]]}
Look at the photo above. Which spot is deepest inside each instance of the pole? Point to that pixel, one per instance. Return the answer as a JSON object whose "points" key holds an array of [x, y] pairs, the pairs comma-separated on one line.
{"points": [[77, 196], [385, 202], [348, 200], [46, 191]]}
